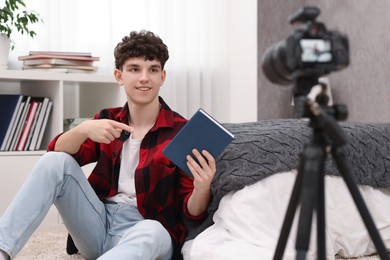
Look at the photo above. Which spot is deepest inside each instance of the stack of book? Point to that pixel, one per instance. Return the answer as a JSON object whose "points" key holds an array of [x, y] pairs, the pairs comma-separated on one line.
{"points": [[23, 121], [68, 62]]}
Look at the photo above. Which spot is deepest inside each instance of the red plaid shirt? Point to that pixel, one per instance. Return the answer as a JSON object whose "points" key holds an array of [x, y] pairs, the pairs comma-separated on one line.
{"points": [[162, 188]]}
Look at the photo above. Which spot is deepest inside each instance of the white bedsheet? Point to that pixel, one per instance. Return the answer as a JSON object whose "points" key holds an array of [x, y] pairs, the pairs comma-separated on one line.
{"points": [[248, 222]]}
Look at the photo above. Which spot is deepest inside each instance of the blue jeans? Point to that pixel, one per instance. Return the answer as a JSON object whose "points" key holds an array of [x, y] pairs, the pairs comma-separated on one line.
{"points": [[99, 230]]}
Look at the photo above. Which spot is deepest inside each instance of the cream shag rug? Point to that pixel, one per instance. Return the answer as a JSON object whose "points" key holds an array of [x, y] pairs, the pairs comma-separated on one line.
{"points": [[49, 243]]}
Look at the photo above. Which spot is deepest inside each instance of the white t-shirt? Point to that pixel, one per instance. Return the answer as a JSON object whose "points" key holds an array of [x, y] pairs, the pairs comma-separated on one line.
{"points": [[129, 161]]}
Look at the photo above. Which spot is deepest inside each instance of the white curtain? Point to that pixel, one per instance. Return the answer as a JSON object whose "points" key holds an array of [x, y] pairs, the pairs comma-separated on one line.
{"points": [[195, 32]]}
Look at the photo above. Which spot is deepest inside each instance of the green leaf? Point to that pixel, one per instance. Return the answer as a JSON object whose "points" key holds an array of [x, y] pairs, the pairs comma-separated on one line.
{"points": [[14, 16]]}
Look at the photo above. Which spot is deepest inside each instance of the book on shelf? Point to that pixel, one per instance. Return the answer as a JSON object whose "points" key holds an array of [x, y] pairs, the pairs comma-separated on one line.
{"points": [[38, 125], [63, 69], [15, 125], [20, 124], [201, 132], [62, 62], [61, 53], [21, 143], [34, 124], [26, 123], [65, 57], [43, 127], [50, 62], [9, 105]]}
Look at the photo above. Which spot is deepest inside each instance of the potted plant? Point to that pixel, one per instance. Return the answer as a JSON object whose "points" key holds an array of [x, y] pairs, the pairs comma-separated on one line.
{"points": [[14, 17]]}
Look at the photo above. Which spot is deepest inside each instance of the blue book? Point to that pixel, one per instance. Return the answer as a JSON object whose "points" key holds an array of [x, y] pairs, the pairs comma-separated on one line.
{"points": [[9, 105], [201, 132]]}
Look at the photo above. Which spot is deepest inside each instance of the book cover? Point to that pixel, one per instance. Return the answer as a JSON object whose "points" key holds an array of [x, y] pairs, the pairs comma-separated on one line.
{"points": [[50, 62], [14, 126], [64, 69], [38, 125], [201, 132], [43, 128], [61, 53], [42, 101], [65, 57], [20, 123], [27, 126], [30, 134], [9, 105]]}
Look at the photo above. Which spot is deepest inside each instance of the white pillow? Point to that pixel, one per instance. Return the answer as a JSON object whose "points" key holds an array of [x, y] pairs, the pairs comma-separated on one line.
{"points": [[247, 223]]}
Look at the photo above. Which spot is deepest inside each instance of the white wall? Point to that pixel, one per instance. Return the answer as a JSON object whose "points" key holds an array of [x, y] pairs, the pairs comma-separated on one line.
{"points": [[235, 98], [242, 60], [232, 95]]}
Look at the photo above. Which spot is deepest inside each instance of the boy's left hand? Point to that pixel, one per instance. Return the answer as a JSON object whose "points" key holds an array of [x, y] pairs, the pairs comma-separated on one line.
{"points": [[204, 171]]}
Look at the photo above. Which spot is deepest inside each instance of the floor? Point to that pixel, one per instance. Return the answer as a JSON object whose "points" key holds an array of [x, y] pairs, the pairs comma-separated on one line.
{"points": [[49, 243]]}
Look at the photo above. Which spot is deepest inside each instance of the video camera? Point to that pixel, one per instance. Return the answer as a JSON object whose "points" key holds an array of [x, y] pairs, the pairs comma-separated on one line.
{"points": [[310, 51]]}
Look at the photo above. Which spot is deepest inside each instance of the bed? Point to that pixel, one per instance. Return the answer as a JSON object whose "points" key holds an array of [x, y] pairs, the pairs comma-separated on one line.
{"points": [[253, 184]]}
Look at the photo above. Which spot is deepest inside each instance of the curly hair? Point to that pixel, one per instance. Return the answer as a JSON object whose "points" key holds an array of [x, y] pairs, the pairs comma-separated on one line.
{"points": [[140, 44]]}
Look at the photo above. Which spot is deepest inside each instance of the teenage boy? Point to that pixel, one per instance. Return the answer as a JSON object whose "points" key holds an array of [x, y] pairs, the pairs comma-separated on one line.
{"points": [[134, 202]]}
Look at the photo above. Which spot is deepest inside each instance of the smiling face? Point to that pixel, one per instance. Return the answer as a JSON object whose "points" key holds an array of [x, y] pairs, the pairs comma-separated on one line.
{"points": [[141, 79]]}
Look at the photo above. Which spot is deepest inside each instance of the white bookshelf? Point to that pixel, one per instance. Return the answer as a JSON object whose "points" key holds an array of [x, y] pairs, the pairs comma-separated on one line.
{"points": [[73, 95]]}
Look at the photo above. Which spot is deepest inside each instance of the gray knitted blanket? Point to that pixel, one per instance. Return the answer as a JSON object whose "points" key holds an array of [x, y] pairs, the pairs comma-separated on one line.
{"points": [[271, 146]]}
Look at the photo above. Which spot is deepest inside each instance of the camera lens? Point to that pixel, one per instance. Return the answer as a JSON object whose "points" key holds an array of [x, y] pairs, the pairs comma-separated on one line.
{"points": [[274, 65]]}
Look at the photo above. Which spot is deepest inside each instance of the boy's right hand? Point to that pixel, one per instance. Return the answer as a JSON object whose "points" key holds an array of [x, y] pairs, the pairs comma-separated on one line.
{"points": [[103, 130]]}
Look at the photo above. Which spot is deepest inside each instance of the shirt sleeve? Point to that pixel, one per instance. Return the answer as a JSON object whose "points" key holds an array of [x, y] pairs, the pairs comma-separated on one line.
{"points": [[87, 153], [187, 187]]}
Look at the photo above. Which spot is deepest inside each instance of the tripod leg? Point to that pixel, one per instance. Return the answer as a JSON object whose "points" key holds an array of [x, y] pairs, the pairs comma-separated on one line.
{"points": [[290, 213], [314, 167], [321, 244], [345, 171]]}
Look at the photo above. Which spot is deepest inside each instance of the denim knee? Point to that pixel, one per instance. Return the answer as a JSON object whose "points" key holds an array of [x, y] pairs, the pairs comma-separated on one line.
{"points": [[159, 238], [55, 159], [155, 231], [53, 165]]}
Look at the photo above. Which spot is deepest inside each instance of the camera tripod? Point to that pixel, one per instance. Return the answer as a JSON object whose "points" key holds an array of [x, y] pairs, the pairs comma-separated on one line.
{"points": [[308, 190]]}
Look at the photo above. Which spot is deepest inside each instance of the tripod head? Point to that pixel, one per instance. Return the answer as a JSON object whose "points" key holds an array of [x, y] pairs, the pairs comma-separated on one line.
{"points": [[322, 116]]}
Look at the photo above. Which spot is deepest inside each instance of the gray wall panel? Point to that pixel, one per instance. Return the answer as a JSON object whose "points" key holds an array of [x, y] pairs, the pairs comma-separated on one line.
{"points": [[364, 86]]}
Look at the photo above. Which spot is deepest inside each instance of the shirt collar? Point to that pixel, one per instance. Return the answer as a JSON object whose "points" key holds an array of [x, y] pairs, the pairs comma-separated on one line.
{"points": [[165, 117]]}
